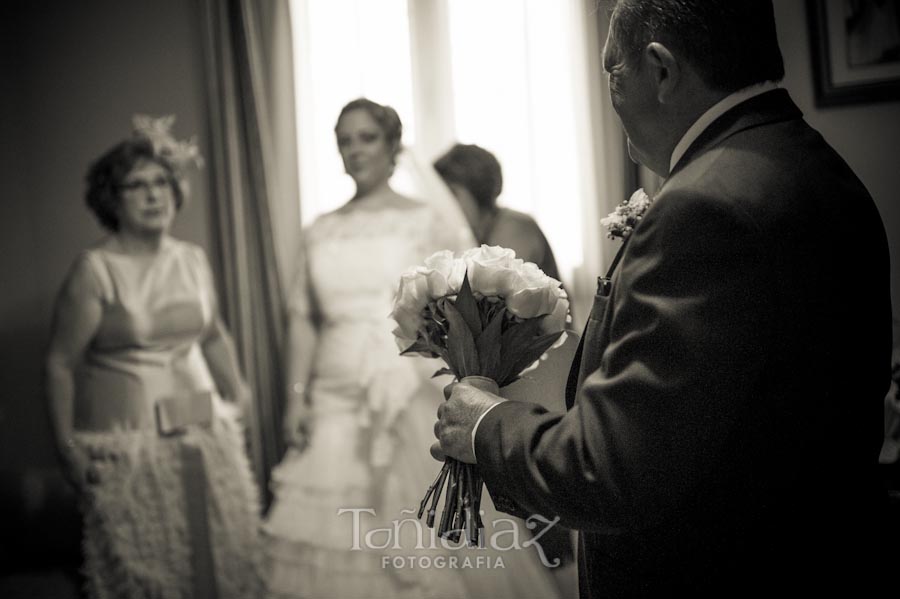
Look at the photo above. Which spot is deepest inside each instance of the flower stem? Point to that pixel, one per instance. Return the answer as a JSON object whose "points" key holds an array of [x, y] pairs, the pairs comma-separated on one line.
{"points": [[434, 492], [472, 531], [479, 483], [457, 522], [449, 503]]}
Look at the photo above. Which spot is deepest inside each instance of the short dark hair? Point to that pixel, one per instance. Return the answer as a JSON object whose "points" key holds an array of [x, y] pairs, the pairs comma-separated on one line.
{"points": [[732, 43], [474, 168], [106, 174], [386, 117]]}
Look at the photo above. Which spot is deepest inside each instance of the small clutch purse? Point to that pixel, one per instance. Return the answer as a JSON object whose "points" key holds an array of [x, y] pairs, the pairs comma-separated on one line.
{"points": [[175, 414]]}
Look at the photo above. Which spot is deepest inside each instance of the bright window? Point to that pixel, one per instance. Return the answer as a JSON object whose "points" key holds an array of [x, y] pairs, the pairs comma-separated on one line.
{"points": [[508, 75], [344, 49], [513, 94]]}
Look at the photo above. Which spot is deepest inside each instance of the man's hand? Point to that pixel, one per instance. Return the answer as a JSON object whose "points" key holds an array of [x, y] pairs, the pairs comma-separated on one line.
{"points": [[456, 419]]}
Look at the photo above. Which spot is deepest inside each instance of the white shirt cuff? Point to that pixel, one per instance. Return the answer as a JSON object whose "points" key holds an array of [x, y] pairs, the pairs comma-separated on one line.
{"points": [[475, 428]]}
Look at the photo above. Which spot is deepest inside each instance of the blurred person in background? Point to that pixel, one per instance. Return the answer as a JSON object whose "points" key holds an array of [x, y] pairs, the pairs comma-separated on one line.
{"points": [[474, 176], [145, 392], [359, 418]]}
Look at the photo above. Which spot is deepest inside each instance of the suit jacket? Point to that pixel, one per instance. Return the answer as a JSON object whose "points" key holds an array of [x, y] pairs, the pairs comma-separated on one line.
{"points": [[724, 430]]}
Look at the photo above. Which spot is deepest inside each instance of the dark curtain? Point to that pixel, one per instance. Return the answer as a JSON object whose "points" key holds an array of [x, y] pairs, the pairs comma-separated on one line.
{"points": [[239, 39]]}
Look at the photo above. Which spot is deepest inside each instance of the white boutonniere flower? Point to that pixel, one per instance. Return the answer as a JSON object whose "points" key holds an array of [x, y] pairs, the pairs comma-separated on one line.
{"points": [[621, 222]]}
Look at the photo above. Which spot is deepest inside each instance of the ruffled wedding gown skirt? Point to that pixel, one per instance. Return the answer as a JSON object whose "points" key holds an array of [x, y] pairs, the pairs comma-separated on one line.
{"points": [[315, 552], [374, 413]]}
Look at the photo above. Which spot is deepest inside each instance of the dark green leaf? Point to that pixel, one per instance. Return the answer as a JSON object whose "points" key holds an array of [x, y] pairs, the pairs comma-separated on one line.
{"points": [[488, 344], [514, 344], [440, 303], [461, 347], [489, 310], [530, 352], [421, 345], [443, 354], [468, 307], [519, 334], [442, 371]]}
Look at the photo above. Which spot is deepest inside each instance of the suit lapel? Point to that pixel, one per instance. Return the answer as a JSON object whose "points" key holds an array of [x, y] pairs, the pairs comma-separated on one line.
{"points": [[595, 319], [574, 370]]}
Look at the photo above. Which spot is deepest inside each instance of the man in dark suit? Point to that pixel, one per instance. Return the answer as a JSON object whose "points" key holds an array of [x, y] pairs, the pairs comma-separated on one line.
{"points": [[726, 404]]}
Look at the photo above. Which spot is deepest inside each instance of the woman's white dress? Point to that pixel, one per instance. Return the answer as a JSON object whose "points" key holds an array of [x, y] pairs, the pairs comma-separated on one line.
{"points": [[332, 530]]}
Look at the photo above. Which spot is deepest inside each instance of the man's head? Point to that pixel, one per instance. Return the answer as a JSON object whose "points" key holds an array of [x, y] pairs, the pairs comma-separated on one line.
{"points": [[670, 60]]}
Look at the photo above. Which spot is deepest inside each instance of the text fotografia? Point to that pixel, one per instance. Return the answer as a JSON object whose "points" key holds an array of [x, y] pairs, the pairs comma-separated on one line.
{"points": [[441, 562], [505, 536]]}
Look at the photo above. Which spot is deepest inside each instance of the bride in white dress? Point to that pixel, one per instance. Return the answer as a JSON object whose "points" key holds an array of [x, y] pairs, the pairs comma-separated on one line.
{"points": [[359, 421]]}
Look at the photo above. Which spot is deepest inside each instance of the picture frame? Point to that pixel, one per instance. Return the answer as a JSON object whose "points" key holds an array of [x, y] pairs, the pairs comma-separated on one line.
{"points": [[855, 50]]}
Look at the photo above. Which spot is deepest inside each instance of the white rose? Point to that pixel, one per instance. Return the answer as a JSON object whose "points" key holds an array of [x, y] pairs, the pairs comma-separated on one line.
{"points": [[443, 274], [493, 253], [413, 292], [412, 297], [490, 269], [532, 301], [408, 326], [535, 294], [557, 319], [400, 338]]}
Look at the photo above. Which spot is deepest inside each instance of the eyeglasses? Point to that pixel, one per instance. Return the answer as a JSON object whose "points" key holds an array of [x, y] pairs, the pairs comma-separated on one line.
{"points": [[139, 186]]}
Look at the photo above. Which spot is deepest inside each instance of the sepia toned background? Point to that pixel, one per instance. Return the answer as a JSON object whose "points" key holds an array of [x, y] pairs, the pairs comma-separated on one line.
{"points": [[73, 74]]}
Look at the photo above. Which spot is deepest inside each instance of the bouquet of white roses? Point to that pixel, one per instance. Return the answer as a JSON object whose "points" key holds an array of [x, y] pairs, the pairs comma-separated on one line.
{"points": [[489, 315]]}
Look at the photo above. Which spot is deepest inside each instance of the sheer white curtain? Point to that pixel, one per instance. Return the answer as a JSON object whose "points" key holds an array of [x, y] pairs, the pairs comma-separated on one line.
{"points": [[522, 78], [527, 82]]}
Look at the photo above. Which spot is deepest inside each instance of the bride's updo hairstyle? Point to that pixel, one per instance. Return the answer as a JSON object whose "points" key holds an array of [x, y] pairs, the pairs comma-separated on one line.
{"points": [[386, 117]]}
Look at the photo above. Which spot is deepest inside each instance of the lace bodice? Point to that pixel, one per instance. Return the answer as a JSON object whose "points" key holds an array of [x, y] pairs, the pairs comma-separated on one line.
{"points": [[347, 274], [351, 260]]}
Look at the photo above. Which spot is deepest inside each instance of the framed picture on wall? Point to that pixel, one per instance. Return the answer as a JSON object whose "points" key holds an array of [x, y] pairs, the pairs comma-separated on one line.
{"points": [[855, 50]]}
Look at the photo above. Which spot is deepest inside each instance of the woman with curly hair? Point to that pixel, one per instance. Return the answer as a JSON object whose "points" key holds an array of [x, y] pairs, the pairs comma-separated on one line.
{"points": [[145, 391]]}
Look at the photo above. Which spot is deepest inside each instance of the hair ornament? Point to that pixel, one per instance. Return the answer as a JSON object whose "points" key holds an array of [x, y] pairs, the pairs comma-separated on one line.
{"points": [[180, 154]]}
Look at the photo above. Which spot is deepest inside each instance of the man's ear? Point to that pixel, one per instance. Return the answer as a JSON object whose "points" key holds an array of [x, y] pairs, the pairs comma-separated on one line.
{"points": [[663, 69]]}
